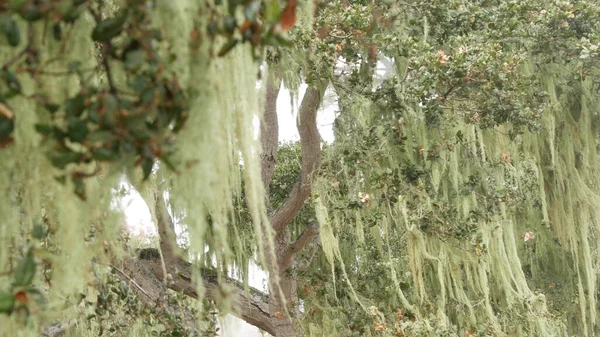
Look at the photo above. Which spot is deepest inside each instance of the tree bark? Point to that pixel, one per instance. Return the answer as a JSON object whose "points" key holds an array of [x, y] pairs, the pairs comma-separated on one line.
{"points": [[282, 289], [311, 158], [283, 284]]}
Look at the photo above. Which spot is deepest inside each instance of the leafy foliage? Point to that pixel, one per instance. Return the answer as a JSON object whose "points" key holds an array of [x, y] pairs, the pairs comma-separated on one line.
{"points": [[136, 118]]}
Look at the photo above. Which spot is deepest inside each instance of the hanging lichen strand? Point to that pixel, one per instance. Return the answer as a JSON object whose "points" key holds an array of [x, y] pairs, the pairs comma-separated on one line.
{"points": [[496, 233], [84, 234], [34, 197]]}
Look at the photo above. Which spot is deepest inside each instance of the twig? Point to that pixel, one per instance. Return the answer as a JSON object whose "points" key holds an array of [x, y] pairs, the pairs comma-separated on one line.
{"points": [[106, 48], [133, 282]]}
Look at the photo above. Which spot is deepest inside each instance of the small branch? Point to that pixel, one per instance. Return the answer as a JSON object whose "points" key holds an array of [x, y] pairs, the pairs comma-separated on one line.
{"points": [[311, 230], [311, 158], [106, 49], [313, 248], [250, 306], [132, 282]]}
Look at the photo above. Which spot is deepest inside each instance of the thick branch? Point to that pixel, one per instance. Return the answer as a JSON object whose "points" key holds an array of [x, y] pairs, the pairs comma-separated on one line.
{"points": [[309, 233], [251, 306], [311, 158], [269, 131]]}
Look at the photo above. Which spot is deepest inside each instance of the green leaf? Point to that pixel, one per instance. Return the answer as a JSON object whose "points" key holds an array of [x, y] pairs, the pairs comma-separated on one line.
{"points": [[12, 32], [73, 66], [51, 107], [79, 187], [15, 5], [7, 303], [37, 296], [25, 271], [44, 129], [109, 29], [273, 12], [77, 130], [31, 12], [228, 47], [39, 232], [134, 59], [229, 25], [7, 126], [61, 179], [212, 28], [102, 137], [12, 81], [103, 154], [283, 41], [147, 165], [57, 31], [167, 160], [62, 159], [74, 106], [111, 104]]}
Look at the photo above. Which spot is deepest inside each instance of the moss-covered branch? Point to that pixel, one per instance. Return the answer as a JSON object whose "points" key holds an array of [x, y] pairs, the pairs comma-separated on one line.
{"points": [[250, 306]]}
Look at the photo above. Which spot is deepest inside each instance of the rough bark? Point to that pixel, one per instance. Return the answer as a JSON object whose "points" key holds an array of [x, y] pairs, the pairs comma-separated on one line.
{"points": [[282, 289], [307, 236], [250, 306]]}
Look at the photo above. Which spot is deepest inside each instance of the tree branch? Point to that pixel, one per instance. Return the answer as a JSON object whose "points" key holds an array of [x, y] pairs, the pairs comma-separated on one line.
{"points": [[311, 158], [250, 306], [307, 235], [269, 130]]}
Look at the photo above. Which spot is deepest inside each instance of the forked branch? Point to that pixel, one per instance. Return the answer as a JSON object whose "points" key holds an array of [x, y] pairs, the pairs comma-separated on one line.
{"points": [[307, 236]]}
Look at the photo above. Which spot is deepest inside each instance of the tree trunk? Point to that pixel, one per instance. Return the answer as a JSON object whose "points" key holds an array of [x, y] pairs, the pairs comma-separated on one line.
{"points": [[283, 303]]}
